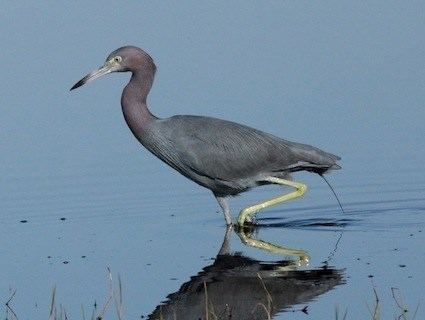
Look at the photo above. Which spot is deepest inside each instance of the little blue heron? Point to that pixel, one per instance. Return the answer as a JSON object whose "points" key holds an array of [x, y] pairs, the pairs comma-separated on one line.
{"points": [[226, 157]]}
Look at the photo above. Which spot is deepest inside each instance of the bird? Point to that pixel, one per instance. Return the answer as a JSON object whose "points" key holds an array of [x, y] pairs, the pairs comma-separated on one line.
{"points": [[225, 157]]}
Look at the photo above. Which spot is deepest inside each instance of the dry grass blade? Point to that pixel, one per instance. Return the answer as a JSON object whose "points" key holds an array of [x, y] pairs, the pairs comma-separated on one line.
{"points": [[101, 314], [9, 307], [399, 302], [52, 313], [261, 305], [11, 297], [375, 314], [267, 309], [337, 313], [416, 312], [206, 301], [268, 295], [118, 300], [161, 317], [63, 313], [209, 308], [83, 314]]}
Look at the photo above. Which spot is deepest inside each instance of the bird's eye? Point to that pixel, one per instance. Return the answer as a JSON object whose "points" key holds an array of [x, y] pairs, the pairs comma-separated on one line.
{"points": [[118, 59]]}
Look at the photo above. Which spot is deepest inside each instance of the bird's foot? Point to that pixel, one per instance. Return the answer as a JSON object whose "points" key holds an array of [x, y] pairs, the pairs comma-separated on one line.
{"points": [[244, 218], [246, 228]]}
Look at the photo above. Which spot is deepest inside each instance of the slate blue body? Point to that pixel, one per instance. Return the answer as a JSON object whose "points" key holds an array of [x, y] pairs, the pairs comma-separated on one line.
{"points": [[227, 157]]}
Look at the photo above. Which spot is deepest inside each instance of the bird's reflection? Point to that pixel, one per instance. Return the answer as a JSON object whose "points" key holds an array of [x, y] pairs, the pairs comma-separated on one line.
{"points": [[239, 287]]}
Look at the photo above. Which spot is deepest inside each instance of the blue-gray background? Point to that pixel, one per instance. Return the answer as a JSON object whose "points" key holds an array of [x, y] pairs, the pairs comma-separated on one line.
{"points": [[347, 76]]}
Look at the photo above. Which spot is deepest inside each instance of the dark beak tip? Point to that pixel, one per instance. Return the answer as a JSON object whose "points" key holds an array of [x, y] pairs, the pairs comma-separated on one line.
{"points": [[77, 85]]}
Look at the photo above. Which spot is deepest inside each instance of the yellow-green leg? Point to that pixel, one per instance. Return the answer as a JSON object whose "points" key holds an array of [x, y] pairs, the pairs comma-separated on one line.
{"points": [[246, 214]]}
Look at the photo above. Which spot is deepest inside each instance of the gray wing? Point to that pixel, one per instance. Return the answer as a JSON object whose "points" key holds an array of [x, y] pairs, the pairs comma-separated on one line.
{"points": [[229, 151]]}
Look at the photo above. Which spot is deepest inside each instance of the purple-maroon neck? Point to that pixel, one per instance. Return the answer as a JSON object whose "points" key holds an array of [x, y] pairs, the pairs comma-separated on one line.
{"points": [[133, 102]]}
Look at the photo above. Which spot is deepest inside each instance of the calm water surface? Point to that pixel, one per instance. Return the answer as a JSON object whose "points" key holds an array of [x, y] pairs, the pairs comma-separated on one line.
{"points": [[78, 194]]}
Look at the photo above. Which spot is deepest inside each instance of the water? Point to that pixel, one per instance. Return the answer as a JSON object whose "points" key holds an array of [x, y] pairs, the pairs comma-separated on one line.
{"points": [[345, 77]]}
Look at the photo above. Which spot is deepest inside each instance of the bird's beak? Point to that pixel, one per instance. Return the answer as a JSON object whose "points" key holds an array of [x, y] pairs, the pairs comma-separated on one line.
{"points": [[107, 68]]}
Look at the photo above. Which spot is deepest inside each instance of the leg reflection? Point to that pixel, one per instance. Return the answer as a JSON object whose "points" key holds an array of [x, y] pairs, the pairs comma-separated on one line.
{"points": [[245, 234], [225, 247]]}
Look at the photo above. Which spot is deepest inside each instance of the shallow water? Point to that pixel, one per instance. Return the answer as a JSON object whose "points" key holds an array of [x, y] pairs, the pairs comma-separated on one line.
{"points": [[166, 242], [79, 195]]}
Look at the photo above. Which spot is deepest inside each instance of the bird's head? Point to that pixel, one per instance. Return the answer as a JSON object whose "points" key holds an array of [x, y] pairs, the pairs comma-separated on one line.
{"points": [[128, 58]]}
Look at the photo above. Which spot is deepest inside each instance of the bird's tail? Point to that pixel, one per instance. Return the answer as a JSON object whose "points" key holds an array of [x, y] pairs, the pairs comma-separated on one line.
{"points": [[313, 159], [333, 191]]}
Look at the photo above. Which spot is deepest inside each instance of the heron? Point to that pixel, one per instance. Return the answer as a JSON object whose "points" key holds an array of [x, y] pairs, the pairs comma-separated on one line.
{"points": [[225, 157]]}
